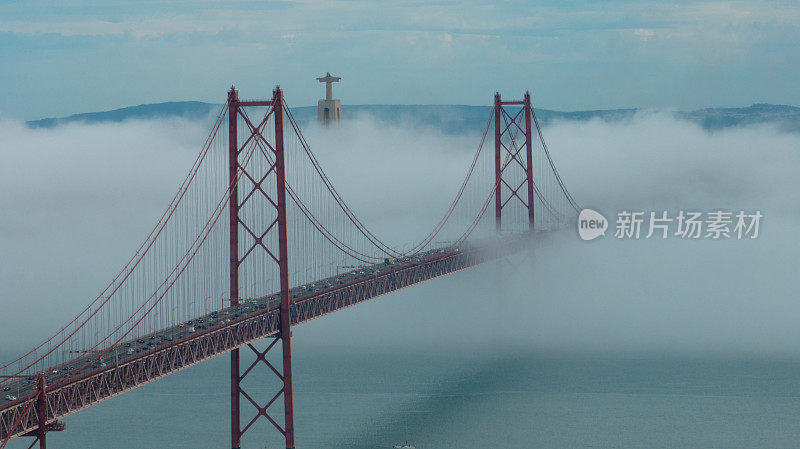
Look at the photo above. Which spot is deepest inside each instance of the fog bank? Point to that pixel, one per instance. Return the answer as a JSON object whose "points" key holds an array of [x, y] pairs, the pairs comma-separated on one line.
{"points": [[78, 199]]}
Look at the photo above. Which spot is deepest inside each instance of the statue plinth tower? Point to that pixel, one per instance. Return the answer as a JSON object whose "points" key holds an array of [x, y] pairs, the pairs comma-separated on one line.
{"points": [[329, 110]]}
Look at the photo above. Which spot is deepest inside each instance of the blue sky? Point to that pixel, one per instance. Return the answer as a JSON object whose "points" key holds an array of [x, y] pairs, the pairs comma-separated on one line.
{"points": [[62, 57]]}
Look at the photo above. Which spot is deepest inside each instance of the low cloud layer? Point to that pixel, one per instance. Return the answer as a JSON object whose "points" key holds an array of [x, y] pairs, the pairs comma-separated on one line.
{"points": [[78, 199], [627, 296], [76, 202]]}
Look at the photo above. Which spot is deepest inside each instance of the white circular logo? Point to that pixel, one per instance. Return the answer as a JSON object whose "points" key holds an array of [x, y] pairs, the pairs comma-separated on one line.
{"points": [[591, 224]]}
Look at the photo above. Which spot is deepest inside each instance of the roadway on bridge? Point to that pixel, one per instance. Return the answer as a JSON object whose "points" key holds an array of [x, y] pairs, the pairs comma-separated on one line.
{"points": [[18, 390]]}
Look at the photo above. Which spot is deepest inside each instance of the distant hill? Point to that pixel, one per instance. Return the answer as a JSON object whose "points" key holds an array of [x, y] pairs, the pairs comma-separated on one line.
{"points": [[449, 118], [186, 109], [788, 117]]}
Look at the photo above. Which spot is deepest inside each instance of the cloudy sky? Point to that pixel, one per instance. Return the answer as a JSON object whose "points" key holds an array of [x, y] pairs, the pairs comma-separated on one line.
{"points": [[85, 55]]}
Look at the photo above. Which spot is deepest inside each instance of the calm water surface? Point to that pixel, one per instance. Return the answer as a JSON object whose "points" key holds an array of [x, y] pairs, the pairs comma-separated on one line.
{"points": [[447, 400]]}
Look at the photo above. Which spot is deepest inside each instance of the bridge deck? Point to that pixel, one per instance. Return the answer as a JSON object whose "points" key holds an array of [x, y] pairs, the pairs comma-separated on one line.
{"points": [[227, 331]]}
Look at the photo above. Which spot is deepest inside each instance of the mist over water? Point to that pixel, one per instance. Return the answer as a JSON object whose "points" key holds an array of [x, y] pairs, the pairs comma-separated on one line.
{"points": [[77, 201], [575, 332]]}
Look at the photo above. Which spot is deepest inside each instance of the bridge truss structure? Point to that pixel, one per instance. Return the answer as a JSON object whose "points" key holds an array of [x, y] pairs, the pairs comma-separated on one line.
{"points": [[200, 286]]}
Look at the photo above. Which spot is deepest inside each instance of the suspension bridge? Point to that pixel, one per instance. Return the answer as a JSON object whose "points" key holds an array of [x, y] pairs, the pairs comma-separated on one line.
{"points": [[257, 239]]}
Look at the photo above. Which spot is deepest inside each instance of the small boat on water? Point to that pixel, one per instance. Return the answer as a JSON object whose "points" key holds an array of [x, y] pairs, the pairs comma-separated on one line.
{"points": [[403, 446]]}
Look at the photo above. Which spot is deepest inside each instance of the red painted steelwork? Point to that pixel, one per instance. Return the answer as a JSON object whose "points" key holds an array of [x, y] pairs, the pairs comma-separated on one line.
{"points": [[42, 427], [41, 411], [237, 172], [29, 415], [233, 169], [529, 154], [498, 169], [283, 263], [255, 103], [512, 149], [80, 392]]}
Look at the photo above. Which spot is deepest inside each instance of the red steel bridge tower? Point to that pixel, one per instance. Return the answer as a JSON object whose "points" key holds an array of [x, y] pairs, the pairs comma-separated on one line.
{"points": [[507, 126], [238, 171], [508, 157], [129, 336]]}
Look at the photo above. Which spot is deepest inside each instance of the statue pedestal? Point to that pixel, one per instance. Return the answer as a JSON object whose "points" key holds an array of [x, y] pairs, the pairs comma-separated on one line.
{"points": [[329, 111]]}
